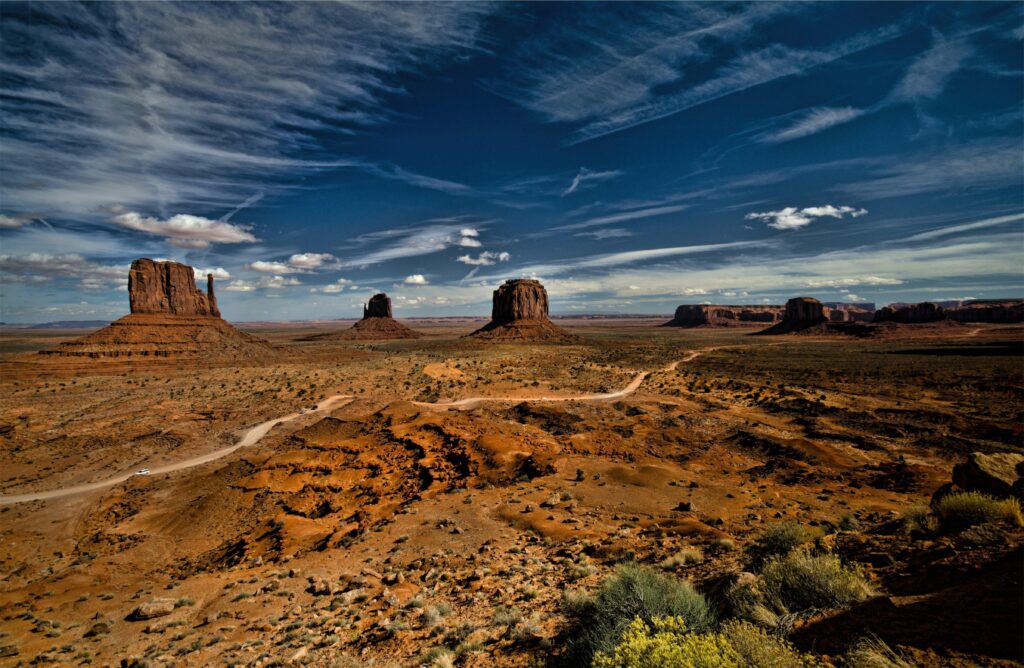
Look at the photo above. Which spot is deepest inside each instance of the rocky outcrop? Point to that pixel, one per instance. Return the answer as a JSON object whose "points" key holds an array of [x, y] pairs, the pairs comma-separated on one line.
{"points": [[801, 313], [519, 312], [911, 314], [848, 313], [169, 287], [170, 319], [714, 315], [995, 474], [157, 607], [995, 311], [379, 306], [377, 323]]}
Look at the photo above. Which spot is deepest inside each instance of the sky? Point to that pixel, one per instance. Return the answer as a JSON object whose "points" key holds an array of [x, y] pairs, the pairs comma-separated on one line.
{"points": [[633, 157]]}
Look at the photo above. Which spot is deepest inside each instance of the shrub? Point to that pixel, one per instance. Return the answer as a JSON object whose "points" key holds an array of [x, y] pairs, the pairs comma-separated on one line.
{"points": [[778, 539], [965, 509], [800, 581], [690, 555], [918, 519], [598, 622], [666, 643], [872, 652]]}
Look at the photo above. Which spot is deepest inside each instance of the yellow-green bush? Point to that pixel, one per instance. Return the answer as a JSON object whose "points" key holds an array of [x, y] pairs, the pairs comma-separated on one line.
{"points": [[964, 509], [777, 539], [800, 581], [666, 643]]}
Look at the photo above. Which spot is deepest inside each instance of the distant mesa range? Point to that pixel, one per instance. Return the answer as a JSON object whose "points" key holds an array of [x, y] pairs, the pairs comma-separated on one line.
{"points": [[170, 318], [377, 323], [519, 312]]}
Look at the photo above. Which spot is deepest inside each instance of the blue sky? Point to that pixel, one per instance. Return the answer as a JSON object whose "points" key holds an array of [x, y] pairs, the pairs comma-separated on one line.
{"points": [[632, 157]]}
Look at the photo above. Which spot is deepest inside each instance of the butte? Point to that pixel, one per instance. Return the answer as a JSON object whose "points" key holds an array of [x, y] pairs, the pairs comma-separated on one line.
{"points": [[377, 323], [520, 313]]}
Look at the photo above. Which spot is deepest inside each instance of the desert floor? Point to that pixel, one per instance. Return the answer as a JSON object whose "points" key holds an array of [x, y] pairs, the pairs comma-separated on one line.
{"points": [[455, 490]]}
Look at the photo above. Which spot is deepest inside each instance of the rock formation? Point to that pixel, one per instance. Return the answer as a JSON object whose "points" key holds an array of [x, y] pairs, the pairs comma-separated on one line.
{"points": [[170, 319], [168, 287], [377, 323], [996, 310], [519, 312], [911, 315], [801, 313], [848, 313], [379, 306], [996, 473], [714, 315]]}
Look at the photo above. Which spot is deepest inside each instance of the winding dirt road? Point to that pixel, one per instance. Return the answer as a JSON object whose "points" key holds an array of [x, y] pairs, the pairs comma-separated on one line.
{"points": [[251, 437], [470, 402], [255, 434]]}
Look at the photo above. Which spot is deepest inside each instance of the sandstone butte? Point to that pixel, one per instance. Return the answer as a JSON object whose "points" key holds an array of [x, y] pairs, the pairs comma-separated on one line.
{"points": [[519, 312], [800, 313], [170, 319], [377, 323]]}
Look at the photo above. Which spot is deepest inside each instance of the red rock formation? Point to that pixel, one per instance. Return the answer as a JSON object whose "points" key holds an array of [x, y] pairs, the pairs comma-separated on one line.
{"points": [[168, 287], [520, 312], [912, 314], [377, 323], [801, 313], [714, 315], [170, 319], [379, 306]]}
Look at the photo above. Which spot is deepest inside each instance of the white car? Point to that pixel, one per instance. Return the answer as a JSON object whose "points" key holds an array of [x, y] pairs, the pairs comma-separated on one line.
{"points": [[142, 472]]}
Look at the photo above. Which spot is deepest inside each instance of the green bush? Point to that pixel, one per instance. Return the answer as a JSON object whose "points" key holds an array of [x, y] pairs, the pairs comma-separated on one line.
{"points": [[918, 519], [778, 539], [667, 643], [801, 581], [597, 623], [964, 509]]}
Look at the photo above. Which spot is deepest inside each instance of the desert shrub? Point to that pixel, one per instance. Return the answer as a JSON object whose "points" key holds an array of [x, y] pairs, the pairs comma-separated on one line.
{"points": [[778, 539], [801, 581], [918, 519], [689, 555], [964, 509], [667, 643], [872, 652], [598, 622]]}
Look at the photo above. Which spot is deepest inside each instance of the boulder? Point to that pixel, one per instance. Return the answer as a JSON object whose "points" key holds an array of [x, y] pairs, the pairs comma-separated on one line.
{"points": [[911, 314], [994, 474], [169, 287], [519, 312], [379, 306], [157, 607]]}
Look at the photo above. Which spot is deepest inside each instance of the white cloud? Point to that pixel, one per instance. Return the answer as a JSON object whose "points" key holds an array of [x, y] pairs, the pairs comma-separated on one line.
{"points": [[588, 178], [309, 260], [485, 259], [965, 227], [926, 77], [17, 220], [812, 122], [218, 272], [416, 279], [336, 287], [264, 283], [185, 230], [270, 267], [431, 237], [791, 218]]}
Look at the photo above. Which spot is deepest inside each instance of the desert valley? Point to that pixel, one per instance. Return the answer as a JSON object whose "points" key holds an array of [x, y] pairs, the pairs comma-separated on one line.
{"points": [[177, 491]]}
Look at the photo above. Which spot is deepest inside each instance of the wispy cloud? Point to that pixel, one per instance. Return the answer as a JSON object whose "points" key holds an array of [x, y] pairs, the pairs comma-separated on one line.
{"points": [[613, 233], [431, 237], [811, 122], [298, 263], [623, 217], [45, 267], [587, 178], [792, 218], [150, 105], [966, 227], [263, 283]]}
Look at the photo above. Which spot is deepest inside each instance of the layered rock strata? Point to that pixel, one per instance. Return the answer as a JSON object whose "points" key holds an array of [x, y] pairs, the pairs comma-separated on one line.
{"points": [[714, 315], [519, 312]]}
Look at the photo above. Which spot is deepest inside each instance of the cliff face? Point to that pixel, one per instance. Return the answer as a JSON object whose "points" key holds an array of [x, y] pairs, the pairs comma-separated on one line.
{"points": [[1010, 311], [800, 313], [379, 306], [912, 314], [170, 288], [713, 315]]}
